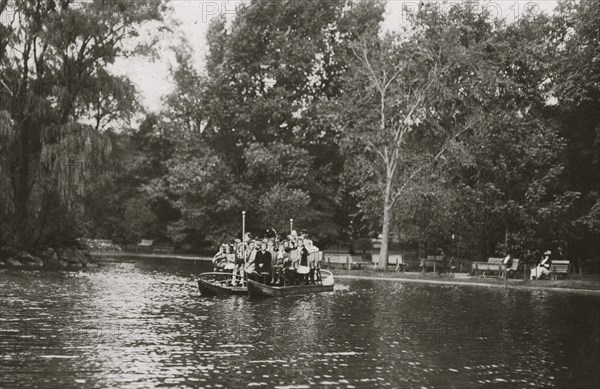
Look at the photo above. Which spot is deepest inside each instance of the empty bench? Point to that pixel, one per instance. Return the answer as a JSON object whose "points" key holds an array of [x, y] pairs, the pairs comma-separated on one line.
{"points": [[492, 265], [338, 259], [145, 246], [436, 263], [393, 260], [559, 268]]}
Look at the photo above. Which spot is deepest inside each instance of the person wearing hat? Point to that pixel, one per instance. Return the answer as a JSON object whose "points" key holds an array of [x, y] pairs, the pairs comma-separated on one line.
{"points": [[543, 269]]}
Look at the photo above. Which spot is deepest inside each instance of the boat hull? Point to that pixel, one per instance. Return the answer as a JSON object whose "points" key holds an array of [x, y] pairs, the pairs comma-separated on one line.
{"points": [[211, 289], [261, 290]]}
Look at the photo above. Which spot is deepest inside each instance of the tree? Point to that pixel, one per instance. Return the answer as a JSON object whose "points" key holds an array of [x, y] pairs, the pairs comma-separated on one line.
{"points": [[405, 106], [362, 245], [140, 219], [453, 115], [254, 125], [138, 156], [510, 175], [574, 79], [60, 95]]}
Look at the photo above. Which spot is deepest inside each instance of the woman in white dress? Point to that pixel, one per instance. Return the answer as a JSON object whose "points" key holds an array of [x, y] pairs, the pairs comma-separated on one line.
{"points": [[543, 268]]}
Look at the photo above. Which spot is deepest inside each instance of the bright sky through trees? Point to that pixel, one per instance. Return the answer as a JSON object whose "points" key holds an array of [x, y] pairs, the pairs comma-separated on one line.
{"points": [[193, 16]]}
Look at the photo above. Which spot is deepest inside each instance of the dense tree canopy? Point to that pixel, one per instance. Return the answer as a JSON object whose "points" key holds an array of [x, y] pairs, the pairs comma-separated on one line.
{"points": [[481, 156], [57, 97], [455, 129]]}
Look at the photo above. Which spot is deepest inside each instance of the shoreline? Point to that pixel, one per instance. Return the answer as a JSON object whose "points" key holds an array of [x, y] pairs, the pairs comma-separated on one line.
{"points": [[587, 286], [124, 255]]}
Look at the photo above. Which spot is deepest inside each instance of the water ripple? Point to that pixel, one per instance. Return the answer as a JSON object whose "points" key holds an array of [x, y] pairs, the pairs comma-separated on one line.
{"points": [[141, 325]]}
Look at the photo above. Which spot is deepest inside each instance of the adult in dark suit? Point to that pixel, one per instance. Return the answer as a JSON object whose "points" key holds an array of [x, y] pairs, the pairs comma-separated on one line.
{"points": [[263, 260]]}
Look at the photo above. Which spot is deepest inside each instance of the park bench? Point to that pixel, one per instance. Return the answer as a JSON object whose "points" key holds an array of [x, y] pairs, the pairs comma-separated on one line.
{"points": [[346, 261], [145, 245], [437, 263], [492, 265], [393, 259], [559, 268], [357, 262], [338, 259]]}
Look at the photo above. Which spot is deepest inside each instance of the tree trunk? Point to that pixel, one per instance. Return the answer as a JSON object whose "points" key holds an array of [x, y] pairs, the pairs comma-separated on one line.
{"points": [[43, 216], [387, 216], [22, 189], [385, 237]]}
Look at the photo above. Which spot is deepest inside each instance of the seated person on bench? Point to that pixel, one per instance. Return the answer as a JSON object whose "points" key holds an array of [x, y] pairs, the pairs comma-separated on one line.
{"points": [[507, 263], [543, 268]]}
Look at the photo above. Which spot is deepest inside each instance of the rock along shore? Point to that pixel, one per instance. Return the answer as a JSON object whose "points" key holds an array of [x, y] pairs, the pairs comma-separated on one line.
{"points": [[55, 259]]}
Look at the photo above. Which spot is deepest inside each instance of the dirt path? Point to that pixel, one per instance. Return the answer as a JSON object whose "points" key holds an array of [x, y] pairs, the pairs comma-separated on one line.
{"points": [[569, 286]]}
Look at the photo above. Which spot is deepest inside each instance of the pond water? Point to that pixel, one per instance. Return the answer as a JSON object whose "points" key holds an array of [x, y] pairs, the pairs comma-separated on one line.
{"points": [[144, 324]]}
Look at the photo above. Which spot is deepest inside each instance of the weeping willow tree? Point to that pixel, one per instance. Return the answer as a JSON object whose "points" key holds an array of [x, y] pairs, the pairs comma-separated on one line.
{"points": [[57, 100]]}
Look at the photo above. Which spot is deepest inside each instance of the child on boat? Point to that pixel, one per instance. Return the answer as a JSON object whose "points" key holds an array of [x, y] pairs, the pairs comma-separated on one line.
{"points": [[220, 258], [230, 261], [238, 269], [251, 261], [282, 263], [307, 272]]}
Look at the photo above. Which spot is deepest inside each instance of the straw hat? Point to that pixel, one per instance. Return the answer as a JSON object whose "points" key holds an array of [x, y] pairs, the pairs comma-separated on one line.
{"points": [[548, 252]]}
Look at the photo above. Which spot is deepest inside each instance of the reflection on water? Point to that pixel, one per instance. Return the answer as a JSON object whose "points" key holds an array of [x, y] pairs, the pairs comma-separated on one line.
{"points": [[140, 325]]}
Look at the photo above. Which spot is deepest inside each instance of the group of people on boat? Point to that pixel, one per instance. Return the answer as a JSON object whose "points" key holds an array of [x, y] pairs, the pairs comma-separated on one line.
{"points": [[292, 261]]}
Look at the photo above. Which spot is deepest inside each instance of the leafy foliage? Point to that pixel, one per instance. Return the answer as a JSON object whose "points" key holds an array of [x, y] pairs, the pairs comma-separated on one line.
{"points": [[61, 97]]}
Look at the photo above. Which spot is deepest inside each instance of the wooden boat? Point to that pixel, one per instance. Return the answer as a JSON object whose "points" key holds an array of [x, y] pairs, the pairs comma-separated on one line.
{"points": [[262, 290], [218, 284]]}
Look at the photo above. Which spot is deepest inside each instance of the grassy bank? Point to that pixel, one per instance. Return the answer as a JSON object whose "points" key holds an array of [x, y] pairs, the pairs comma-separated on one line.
{"points": [[589, 283]]}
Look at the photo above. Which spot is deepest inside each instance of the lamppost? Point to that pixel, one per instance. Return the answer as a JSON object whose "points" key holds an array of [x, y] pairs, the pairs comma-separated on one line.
{"points": [[243, 242]]}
